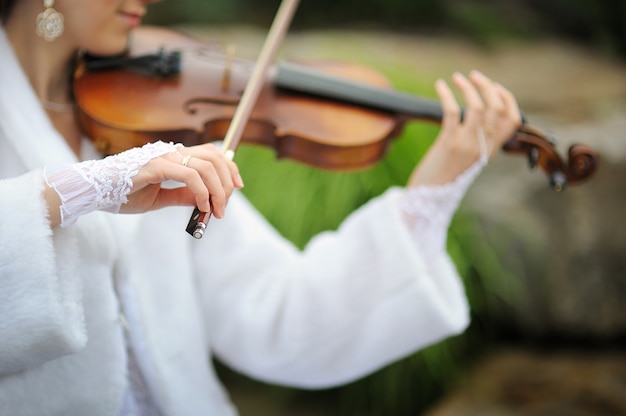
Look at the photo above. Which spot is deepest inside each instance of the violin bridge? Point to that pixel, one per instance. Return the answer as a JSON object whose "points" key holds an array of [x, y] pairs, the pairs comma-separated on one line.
{"points": [[228, 64]]}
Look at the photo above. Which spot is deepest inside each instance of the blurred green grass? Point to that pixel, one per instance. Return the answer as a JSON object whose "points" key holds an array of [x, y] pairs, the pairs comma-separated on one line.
{"points": [[301, 201]]}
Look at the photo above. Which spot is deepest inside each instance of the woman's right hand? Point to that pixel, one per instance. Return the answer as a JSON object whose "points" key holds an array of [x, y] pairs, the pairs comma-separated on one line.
{"points": [[130, 182], [209, 176]]}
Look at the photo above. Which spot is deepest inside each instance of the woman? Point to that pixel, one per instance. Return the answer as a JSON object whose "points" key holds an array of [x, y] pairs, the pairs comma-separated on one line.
{"points": [[106, 314]]}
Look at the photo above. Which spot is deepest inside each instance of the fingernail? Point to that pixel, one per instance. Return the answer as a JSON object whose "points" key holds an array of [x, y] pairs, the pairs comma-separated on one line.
{"points": [[458, 76], [239, 181]]}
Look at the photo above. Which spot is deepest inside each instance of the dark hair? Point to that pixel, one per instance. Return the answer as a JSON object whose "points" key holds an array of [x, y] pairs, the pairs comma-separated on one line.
{"points": [[5, 9]]}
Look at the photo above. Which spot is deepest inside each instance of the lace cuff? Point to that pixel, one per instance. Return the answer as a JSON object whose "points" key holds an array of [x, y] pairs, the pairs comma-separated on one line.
{"points": [[99, 184], [428, 210]]}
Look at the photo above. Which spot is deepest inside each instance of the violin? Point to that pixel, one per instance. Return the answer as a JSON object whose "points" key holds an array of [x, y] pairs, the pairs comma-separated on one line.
{"points": [[331, 115], [327, 114]]}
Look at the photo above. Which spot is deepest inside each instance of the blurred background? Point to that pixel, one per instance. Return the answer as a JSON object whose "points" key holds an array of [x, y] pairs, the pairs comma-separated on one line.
{"points": [[545, 272]]}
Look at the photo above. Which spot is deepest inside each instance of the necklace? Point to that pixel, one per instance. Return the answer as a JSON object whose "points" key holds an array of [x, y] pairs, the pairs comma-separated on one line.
{"points": [[59, 107]]}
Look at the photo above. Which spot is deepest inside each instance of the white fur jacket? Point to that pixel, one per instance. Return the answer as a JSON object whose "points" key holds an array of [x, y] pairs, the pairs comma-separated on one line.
{"points": [[314, 318]]}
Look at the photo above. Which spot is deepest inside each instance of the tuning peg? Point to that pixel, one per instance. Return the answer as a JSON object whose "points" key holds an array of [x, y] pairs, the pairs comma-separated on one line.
{"points": [[558, 181], [533, 157]]}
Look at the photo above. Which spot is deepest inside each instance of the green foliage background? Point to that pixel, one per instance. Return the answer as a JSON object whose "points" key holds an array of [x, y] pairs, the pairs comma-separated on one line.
{"points": [[597, 23]]}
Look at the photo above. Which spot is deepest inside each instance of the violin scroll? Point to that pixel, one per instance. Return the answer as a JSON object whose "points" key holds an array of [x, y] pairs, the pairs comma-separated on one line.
{"points": [[541, 152]]}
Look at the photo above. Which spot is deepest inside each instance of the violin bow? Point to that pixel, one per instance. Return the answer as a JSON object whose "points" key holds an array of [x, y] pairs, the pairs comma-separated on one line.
{"points": [[199, 220]]}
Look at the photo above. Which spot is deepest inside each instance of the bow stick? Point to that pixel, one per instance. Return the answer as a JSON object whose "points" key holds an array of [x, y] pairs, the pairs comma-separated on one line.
{"points": [[199, 220]]}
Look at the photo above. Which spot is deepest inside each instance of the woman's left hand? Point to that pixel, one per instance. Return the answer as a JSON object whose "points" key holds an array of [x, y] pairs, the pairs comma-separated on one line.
{"points": [[491, 111]]}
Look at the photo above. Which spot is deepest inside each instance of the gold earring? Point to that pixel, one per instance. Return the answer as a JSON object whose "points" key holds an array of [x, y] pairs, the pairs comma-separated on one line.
{"points": [[49, 22]]}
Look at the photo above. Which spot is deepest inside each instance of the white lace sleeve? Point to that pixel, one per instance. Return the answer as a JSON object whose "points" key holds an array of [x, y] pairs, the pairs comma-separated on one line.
{"points": [[99, 184], [428, 210]]}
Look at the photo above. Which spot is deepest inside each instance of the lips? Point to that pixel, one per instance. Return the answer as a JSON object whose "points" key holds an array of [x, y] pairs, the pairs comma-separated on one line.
{"points": [[133, 18]]}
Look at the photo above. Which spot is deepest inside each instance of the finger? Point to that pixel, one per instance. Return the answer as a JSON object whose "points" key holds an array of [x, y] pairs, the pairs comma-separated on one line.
{"points": [[161, 169], [212, 164], [495, 108], [220, 186], [234, 171], [450, 108], [474, 114], [488, 90], [510, 104], [221, 164], [174, 196], [227, 169]]}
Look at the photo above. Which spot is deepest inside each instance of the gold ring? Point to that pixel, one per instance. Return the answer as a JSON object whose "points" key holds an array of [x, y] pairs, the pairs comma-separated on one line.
{"points": [[185, 161]]}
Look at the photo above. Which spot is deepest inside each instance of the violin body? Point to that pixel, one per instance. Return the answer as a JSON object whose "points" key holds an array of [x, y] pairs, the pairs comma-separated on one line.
{"points": [[327, 114], [121, 108]]}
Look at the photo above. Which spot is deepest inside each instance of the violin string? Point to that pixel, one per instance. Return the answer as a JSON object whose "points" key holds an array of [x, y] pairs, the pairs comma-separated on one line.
{"points": [[217, 57]]}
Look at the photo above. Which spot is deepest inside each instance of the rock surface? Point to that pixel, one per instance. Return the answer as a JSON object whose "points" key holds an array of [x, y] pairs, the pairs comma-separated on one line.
{"points": [[531, 383]]}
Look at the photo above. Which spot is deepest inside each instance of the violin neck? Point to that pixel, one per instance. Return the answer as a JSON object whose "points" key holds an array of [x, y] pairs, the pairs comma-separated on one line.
{"points": [[307, 80]]}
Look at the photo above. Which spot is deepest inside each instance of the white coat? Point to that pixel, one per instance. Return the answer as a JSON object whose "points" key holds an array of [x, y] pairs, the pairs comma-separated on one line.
{"points": [[353, 301]]}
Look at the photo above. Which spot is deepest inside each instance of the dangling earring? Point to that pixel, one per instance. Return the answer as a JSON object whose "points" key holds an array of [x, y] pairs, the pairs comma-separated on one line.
{"points": [[49, 22]]}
